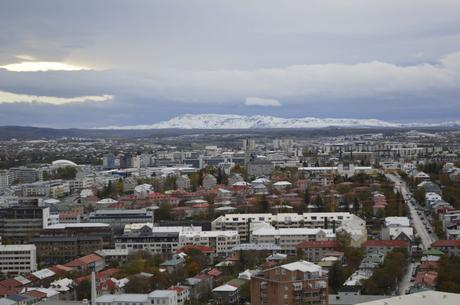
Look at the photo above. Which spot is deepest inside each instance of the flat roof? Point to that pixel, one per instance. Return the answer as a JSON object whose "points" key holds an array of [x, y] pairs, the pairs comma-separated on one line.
{"points": [[420, 298]]}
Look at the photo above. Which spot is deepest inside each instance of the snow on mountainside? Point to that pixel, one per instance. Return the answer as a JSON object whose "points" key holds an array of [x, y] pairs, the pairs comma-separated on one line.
{"points": [[230, 121]]}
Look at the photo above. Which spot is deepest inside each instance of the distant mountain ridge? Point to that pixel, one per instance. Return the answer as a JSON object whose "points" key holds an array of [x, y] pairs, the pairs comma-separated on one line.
{"points": [[232, 121]]}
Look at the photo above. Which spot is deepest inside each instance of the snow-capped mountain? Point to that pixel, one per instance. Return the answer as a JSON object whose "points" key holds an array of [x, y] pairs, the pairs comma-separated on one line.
{"points": [[233, 121], [230, 121]]}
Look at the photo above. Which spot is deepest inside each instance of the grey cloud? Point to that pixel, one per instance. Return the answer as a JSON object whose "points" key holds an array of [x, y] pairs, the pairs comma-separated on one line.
{"points": [[164, 58]]}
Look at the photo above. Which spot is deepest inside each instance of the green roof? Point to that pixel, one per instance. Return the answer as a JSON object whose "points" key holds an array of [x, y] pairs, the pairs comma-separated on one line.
{"points": [[326, 264], [433, 252], [237, 282]]}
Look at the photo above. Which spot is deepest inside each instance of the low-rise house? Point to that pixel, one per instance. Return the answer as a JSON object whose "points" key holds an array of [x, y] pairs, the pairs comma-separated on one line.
{"points": [[426, 279], [183, 294], [86, 263], [226, 294], [163, 297], [172, 265]]}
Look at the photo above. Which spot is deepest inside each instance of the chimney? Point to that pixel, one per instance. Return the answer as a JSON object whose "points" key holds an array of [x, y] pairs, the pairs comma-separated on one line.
{"points": [[93, 288]]}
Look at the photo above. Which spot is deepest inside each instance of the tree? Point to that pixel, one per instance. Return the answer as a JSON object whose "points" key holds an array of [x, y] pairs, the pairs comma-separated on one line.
{"points": [[221, 176], [119, 187], [356, 205], [164, 212], [338, 275], [318, 202], [84, 290], [419, 195], [138, 284], [193, 268], [169, 182], [385, 278], [264, 205], [306, 197], [449, 274], [195, 181]]}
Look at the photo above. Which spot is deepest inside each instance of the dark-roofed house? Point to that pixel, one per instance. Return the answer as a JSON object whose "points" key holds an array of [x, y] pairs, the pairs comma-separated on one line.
{"points": [[175, 263]]}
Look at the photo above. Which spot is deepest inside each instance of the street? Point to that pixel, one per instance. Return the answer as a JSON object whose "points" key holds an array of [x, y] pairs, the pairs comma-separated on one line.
{"points": [[426, 238], [405, 282]]}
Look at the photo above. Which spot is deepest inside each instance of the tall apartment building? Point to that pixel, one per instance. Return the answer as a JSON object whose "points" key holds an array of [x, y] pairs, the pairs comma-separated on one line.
{"points": [[221, 241], [119, 218], [108, 161], [296, 283], [243, 222], [63, 242], [61, 249], [6, 179], [20, 224], [249, 144], [169, 239], [155, 239], [18, 259], [24, 174], [289, 238]]}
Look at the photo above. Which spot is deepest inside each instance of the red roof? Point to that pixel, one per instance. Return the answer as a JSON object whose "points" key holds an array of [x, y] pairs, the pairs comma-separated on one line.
{"points": [[318, 244], [203, 249], [201, 206], [60, 269], [176, 288], [99, 275], [234, 258], [429, 278], [10, 283], [9, 290], [386, 243], [202, 276], [84, 260], [446, 243], [32, 278], [36, 294], [214, 272]]}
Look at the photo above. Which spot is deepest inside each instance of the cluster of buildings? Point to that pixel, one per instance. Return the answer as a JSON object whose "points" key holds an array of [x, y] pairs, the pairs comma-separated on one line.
{"points": [[246, 196]]}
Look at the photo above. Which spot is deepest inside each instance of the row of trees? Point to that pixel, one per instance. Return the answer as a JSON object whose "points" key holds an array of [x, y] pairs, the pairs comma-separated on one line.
{"points": [[449, 274], [385, 278], [65, 173]]}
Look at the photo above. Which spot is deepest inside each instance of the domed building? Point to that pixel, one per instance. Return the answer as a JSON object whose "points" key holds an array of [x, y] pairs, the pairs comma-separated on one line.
{"points": [[63, 163]]}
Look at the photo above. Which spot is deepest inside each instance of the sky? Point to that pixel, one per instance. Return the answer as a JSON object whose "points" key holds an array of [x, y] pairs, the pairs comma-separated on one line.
{"points": [[91, 63]]}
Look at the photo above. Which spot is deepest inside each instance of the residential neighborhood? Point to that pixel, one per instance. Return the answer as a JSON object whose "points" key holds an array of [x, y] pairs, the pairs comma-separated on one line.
{"points": [[288, 221]]}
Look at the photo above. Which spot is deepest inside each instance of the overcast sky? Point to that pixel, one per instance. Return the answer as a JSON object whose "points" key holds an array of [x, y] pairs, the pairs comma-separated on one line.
{"points": [[99, 63]]}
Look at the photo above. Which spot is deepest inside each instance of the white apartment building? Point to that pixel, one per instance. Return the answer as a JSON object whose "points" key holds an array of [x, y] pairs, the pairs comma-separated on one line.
{"points": [[6, 179], [146, 236], [288, 238], [169, 239], [241, 222], [156, 297], [18, 259], [221, 241], [163, 297]]}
